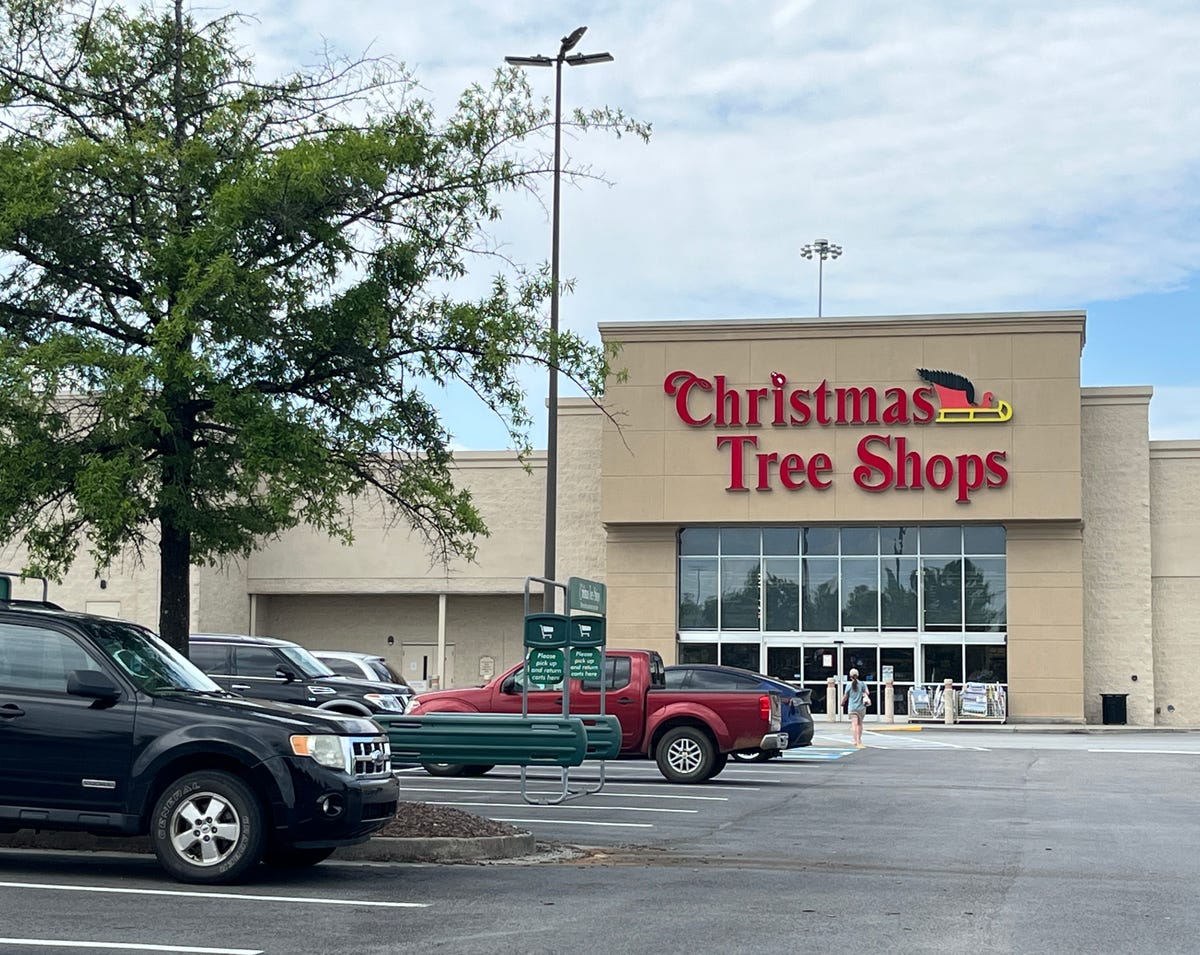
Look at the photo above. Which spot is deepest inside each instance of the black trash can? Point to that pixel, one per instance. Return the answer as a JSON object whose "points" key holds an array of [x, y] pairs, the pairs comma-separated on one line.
{"points": [[1113, 705]]}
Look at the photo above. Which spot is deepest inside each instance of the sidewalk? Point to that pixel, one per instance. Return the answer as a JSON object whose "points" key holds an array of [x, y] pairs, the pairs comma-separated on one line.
{"points": [[876, 725]]}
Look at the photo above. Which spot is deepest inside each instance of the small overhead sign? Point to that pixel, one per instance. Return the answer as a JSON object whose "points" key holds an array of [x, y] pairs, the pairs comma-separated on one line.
{"points": [[590, 596]]}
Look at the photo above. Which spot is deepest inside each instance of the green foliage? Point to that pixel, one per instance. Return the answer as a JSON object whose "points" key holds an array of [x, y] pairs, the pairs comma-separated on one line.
{"points": [[220, 298]]}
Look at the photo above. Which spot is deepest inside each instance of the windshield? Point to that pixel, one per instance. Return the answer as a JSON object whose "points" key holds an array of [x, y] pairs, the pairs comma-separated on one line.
{"points": [[305, 662], [149, 662], [384, 673]]}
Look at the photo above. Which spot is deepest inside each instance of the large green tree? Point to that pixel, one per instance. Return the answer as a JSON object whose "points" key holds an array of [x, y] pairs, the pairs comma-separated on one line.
{"points": [[224, 300]]}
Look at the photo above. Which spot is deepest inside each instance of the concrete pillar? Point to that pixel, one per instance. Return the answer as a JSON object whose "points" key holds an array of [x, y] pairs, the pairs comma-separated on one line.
{"points": [[948, 701], [889, 702], [831, 700]]}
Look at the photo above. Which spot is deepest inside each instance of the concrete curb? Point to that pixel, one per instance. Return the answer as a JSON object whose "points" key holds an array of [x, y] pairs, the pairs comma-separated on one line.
{"points": [[375, 849]]}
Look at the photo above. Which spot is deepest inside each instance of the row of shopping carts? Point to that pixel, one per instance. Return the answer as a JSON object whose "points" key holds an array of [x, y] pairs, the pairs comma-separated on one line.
{"points": [[983, 702]]}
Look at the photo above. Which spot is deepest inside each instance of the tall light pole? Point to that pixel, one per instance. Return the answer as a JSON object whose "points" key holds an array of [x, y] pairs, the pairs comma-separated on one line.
{"points": [[823, 249], [575, 59]]}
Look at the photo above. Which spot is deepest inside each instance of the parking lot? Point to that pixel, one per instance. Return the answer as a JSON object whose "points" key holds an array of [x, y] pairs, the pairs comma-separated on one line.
{"points": [[981, 841]]}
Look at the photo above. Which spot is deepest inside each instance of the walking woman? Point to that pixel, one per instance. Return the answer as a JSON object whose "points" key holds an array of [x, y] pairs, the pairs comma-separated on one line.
{"points": [[856, 699]]}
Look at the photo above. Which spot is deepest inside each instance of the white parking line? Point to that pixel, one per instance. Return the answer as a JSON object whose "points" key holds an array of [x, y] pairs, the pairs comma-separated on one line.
{"points": [[509, 805], [1156, 752], [582, 822], [552, 792], [112, 890], [128, 946]]}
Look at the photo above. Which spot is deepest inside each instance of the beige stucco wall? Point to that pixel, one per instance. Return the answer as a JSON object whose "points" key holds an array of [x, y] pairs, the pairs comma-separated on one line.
{"points": [[1175, 532], [1117, 552]]}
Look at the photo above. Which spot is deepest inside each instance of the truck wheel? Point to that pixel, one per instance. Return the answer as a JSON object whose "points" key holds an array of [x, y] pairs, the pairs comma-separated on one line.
{"points": [[685, 755], [444, 769], [208, 828], [720, 761], [289, 857]]}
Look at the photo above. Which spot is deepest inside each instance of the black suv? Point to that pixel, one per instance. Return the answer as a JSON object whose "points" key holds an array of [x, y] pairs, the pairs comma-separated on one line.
{"points": [[106, 729], [271, 669]]}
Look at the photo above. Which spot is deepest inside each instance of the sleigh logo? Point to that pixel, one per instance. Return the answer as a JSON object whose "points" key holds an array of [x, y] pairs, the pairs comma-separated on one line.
{"points": [[957, 397]]}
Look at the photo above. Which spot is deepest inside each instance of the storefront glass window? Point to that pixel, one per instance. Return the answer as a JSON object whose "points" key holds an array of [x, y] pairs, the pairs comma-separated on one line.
{"points": [[820, 588], [739, 593], [900, 659], [860, 593], [942, 661], [897, 540], [984, 581], [744, 655], [987, 664], [984, 539], [741, 540], [860, 540], [898, 596], [698, 593], [781, 541], [781, 591], [820, 540], [783, 663], [697, 541], [941, 540], [697, 653], [941, 592]]}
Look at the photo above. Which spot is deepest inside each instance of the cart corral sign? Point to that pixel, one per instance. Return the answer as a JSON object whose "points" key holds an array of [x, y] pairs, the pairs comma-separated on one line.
{"points": [[885, 461]]}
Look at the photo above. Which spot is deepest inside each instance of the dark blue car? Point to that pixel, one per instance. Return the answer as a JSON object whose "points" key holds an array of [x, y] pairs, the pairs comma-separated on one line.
{"points": [[796, 717]]}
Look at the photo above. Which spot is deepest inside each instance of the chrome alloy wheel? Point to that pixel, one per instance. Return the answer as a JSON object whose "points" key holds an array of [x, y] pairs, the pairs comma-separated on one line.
{"points": [[205, 829], [685, 755]]}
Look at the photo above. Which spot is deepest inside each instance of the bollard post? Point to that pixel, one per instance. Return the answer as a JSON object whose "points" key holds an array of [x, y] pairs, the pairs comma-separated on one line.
{"points": [[831, 700], [948, 701], [889, 702]]}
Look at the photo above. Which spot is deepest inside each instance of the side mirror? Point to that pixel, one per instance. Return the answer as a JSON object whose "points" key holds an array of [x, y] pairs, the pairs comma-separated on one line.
{"points": [[93, 684], [509, 686], [283, 673]]}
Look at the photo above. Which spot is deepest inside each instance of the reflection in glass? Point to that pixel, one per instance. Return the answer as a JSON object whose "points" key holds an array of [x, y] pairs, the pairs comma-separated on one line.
{"points": [[698, 593], [697, 653], [820, 590], [781, 590], [897, 540], [987, 663], [985, 594], [942, 661], [820, 540], [860, 540], [941, 581], [941, 540], [781, 541], [898, 598], [739, 593], [983, 539], [695, 541], [860, 593], [740, 540], [744, 655]]}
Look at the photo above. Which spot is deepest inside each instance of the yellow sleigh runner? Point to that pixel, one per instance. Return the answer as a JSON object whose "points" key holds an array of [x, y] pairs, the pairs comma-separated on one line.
{"points": [[1002, 412]]}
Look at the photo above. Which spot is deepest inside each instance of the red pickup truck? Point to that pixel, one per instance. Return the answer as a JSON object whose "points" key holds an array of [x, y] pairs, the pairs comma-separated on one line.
{"points": [[689, 733]]}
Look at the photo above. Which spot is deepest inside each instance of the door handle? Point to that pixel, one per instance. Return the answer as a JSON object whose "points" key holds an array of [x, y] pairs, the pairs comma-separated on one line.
{"points": [[241, 686], [10, 711], [624, 699]]}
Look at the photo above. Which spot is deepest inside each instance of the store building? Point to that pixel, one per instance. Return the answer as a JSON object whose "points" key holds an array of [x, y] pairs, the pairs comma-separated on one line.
{"points": [[936, 494]]}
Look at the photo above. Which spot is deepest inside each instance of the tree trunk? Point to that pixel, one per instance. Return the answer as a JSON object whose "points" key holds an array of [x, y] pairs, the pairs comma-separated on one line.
{"points": [[175, 598]]}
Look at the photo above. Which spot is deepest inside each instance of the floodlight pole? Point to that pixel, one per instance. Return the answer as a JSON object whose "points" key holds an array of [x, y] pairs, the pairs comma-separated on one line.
{"points": [[578, 59], [822, 249]]}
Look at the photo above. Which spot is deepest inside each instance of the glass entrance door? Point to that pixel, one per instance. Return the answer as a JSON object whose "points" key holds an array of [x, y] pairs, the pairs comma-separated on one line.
{"points": [[811, 666]]}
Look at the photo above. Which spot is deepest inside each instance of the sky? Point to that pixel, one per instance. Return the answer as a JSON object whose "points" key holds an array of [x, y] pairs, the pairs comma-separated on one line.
{"points": [[997, 155]]}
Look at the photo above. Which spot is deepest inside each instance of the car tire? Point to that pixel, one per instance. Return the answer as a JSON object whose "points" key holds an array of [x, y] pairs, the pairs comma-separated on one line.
{"points": [[208, 828], [289, 857], [751, 756], [720, 761], [444, 769], [685, 755], [477, 770]]}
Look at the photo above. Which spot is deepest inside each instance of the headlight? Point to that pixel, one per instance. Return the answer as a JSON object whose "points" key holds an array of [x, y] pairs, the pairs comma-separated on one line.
{"points": [[385, 701], [326, 750], [414, 704]]}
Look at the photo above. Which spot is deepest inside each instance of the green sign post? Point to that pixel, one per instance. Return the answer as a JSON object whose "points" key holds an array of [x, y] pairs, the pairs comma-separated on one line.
{"points": [[586, 595], [585, 663], [545, 667]]}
